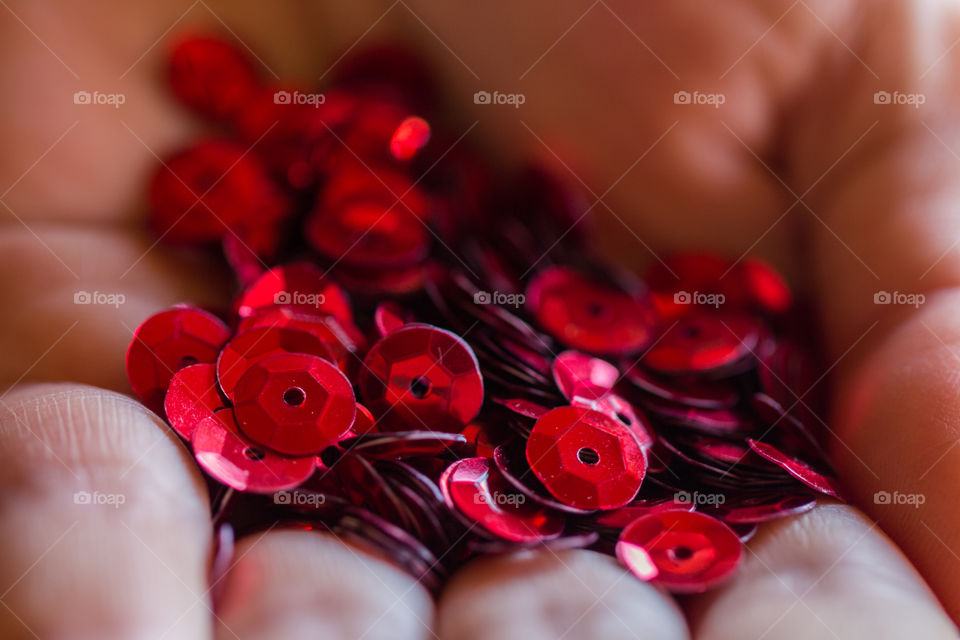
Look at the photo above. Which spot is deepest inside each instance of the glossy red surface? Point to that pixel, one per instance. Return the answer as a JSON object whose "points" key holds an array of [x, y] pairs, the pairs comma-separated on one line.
{"points": [[683, 551], [294, 404], [166, 342], [586, 459]]}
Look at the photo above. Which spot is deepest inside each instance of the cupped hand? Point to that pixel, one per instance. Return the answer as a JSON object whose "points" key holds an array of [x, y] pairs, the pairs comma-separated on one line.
{"points": [[822, 135]]}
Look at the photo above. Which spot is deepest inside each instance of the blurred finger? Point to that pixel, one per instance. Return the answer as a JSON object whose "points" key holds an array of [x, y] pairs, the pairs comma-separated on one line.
{"points": [[571, 595], [830, 573], [302, 584], [104, 528]]}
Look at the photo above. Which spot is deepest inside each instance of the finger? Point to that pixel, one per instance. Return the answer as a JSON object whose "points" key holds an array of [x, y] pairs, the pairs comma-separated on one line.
{"points": [[104, 528], [81, 163], [570, 595], [303, 584], [830, 573], [887, 221], [45, 332]]}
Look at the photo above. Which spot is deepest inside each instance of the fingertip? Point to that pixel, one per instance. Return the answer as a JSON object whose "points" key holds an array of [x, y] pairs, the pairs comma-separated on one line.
{"points": [[298, 584], [571, 594]]}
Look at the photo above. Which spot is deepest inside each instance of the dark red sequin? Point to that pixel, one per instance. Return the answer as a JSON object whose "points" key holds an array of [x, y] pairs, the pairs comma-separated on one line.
{"points": [[215, 185], [241, 463], [590, 316], [165, 343], [423, 376], [683, 551], [192, 397], [211, 76], [479, 492], [299, 286], [586, 459], [294, 403], [703, 342]]}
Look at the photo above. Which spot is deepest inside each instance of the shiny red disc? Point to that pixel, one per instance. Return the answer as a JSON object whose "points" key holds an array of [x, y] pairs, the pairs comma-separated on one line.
{"points": [[579, 375], [802, 471], [590, 316], [215, 185], [193, 396], [409, 137], [165, 343], [424, 377], [293, 403], [389, 316], [683, 551], [211, 76], [586, 459], [300, 286], [364, 422], [368, 233], [702, 342], [477, 490], [344, 340], [765, 286], [237, 462], [252, 345]]}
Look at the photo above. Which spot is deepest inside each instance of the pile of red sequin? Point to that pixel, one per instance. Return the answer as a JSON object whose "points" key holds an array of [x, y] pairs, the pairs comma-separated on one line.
{"points": [[426, 357]]}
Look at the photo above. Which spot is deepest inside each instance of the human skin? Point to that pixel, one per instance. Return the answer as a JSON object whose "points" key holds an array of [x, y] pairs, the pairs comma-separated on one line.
{"points": [[799, 165]]}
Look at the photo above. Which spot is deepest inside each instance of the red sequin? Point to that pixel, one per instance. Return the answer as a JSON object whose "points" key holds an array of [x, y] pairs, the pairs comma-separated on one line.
{"points": [[213, 186], [211, 76], [590, 316], [251, 346], [165, 343], [294, 403], [298, 286], [192, 397], [703, 342], [683, 551], [424, 377], [241, 463], [586, 459], [479, 492]]}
